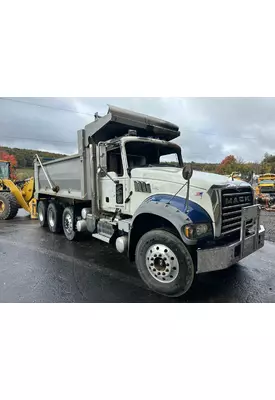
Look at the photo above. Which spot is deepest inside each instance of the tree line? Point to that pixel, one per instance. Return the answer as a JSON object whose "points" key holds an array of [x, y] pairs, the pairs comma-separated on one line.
{"points": [[232, 164], [24, 159]]}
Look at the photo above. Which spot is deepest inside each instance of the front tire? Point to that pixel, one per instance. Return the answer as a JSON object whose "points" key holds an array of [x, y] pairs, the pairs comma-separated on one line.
{"points": [[8, 206], [54, 217], [164, 263]]}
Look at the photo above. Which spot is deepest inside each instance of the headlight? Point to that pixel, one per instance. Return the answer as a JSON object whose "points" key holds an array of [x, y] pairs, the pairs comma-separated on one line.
{"points": [[197, 231]]}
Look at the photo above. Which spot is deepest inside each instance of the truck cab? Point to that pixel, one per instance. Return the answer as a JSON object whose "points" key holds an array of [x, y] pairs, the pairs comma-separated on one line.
{"points": [[4, 169], [134, 164]]}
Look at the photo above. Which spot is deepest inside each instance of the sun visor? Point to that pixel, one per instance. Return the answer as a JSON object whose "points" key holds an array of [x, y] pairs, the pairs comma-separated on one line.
{"points": [[117, 122]]}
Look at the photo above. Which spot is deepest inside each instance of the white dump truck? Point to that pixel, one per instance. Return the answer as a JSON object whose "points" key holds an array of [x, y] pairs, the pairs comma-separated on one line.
{"points": [[128, 186]]}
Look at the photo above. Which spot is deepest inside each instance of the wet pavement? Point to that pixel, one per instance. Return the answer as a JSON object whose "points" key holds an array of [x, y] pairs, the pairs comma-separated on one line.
{"points": [[37, 266]]}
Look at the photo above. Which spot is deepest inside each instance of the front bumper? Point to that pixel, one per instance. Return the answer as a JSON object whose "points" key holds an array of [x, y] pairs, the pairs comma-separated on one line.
{"points": [[222, 257]]}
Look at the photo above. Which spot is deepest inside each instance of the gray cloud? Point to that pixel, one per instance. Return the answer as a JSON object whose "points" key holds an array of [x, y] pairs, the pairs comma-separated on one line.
{"points": [[211, 127]]}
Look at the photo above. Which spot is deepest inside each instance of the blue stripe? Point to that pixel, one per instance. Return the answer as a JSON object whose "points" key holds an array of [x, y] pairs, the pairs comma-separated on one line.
{"points": [[195, 212]]}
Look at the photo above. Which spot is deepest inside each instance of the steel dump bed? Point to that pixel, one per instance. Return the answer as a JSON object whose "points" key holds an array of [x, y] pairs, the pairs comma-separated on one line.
{"points": [[66, 174]]}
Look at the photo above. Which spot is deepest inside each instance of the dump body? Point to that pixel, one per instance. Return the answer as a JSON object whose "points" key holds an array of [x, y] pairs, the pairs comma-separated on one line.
{"points": [[68, 174]]}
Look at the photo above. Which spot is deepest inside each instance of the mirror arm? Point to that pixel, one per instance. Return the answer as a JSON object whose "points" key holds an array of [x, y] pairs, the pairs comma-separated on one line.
{"points": [[187, 196]]}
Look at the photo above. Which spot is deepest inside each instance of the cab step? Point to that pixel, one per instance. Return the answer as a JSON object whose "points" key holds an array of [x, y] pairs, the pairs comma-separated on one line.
{"points": [[103, 238]]}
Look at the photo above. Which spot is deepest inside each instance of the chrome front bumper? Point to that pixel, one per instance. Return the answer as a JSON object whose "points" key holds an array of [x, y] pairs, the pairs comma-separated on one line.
{"points": [[222, 257]]}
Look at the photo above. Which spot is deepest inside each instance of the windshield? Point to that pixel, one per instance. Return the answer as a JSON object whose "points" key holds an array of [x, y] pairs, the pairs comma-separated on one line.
{"points": [[147, 154], [268, 189], [4, 170]]}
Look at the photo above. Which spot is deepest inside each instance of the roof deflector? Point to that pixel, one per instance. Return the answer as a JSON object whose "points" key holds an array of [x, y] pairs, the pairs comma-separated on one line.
{"points": [[117, 122]]}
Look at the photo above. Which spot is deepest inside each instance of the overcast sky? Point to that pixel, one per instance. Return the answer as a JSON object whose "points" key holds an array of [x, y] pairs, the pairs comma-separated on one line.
{"points": [[211, 128]]}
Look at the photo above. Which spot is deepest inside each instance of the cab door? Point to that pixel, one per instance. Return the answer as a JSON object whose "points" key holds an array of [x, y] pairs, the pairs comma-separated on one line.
{"points": [[113, 186]]}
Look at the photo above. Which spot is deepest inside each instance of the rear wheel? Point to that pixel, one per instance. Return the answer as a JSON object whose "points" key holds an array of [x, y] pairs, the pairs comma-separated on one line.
{"points": [[8, 206], [42, 213], [54, 217], [68, 222], [164, 263]]}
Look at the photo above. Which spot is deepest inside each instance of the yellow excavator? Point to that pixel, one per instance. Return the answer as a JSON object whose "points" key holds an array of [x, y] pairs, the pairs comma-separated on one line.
{"points": [[15, 195]]}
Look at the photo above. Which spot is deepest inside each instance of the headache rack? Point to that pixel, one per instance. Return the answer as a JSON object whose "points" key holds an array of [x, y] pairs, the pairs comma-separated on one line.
{"points": [[233, 201]]}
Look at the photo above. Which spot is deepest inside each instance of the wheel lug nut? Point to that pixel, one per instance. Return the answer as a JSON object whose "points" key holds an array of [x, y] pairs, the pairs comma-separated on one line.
{"points": [[167, 270]]}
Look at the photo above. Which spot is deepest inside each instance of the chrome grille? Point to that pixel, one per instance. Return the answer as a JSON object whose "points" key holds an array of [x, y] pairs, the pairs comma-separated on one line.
{"points": [[233, 200]]}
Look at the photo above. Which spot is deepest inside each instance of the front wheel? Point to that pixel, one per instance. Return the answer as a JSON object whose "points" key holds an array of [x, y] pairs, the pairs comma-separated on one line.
{"points": [[164, 263], [8, 206]]}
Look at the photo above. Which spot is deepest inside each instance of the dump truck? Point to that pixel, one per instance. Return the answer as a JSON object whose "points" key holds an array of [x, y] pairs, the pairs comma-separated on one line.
{"points": [[265, 190], [129, 187]]}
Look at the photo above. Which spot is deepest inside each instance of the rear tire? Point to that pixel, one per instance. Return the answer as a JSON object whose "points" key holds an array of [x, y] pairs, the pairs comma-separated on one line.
{"points": [[164, 263], [42, 213], [68, 222], [54, 217], [8, 206]]}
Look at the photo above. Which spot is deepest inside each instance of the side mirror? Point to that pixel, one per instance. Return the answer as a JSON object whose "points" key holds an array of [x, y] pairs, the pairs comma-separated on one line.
{"points": [[187, 172]]}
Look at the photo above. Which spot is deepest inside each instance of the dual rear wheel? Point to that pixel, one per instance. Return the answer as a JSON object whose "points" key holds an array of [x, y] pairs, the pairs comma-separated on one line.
{"points": [[57, 218]]}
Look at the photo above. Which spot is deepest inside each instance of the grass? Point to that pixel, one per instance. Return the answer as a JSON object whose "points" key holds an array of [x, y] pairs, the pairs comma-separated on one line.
{"points": [[24, 173]]}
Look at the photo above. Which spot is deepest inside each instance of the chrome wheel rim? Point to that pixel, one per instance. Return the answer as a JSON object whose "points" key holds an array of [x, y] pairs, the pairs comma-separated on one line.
{"points": [[162, 263], [68, 223], [40, 216], [51, 218]]}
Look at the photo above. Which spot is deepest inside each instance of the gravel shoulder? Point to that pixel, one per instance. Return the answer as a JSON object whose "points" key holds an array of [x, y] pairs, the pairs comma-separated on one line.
{"points": [[267, 219]]}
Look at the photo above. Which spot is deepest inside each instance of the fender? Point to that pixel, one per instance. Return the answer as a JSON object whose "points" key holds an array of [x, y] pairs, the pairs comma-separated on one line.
{"points": [[174, 212]]}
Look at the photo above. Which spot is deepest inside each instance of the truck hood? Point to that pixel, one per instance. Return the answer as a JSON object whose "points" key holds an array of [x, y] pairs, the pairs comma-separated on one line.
{"points": [[200, 180]]}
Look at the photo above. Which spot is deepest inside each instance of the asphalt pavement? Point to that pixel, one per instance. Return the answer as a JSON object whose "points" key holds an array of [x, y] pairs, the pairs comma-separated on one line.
{"points": [[37, 266]]}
